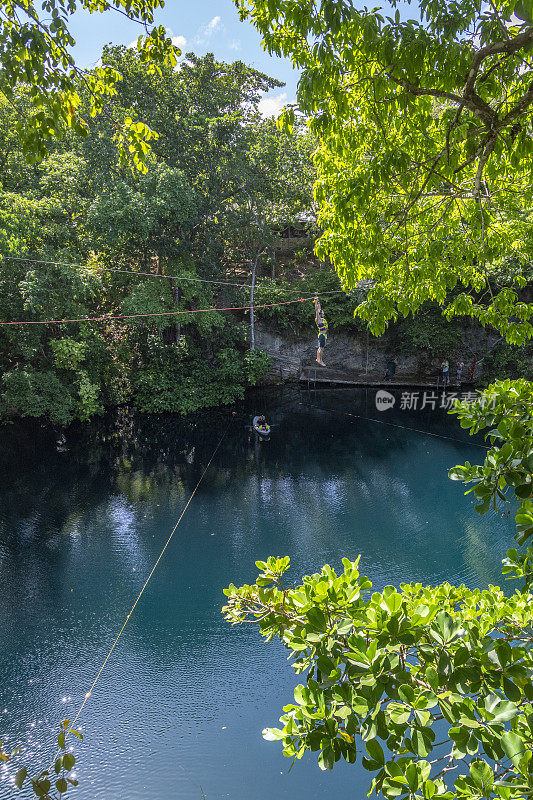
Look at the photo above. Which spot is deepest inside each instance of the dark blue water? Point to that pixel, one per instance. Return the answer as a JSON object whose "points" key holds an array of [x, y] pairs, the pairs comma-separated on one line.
{"points": [[179, 710]]}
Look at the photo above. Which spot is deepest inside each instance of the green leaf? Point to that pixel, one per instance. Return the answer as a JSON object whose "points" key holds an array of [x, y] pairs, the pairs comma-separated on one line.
{"points": [[273, 734], [393, 602], [511, 690], [413, 778], [420, 743], [20, 777], [513, 747], [432, 678], [326, 759], [301, 695], [482, 776], [68, 761], [407, 693], [503, 712], [375, 751], [40, 787], [317, 619]]}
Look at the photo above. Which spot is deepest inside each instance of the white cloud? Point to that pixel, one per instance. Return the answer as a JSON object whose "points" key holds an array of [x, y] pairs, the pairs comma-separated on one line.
{"points": [[207, 31], [235, 44], [179, 41], [213, 26], [271, 106]]}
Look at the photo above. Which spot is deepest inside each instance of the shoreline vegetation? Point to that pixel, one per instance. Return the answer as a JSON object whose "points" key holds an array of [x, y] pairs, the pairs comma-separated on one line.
{"points": [[144, 187], [226, 194]]}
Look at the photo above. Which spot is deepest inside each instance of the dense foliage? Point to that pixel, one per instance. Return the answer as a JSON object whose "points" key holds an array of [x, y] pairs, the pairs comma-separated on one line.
{"points": [[43, 84], [423, 163], [82, 235], [435, 681]]}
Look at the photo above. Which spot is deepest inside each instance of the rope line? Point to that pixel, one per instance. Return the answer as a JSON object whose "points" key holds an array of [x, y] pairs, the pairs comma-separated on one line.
{"points": [[153, 314], [127, 271], [396, 425], [154, 275], [132, 609]]}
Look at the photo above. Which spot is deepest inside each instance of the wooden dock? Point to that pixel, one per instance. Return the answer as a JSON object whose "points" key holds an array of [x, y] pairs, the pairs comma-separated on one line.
{"points": [[324, 376]]}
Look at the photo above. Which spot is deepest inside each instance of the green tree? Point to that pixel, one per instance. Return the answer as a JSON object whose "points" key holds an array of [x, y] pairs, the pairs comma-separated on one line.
{"points": [[424, 147], [503, 411], [83, 216], [430, 686], [42, 81]]}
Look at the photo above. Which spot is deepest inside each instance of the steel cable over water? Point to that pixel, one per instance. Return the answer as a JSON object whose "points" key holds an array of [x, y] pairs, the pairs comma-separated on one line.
{"points": [[132, 609], [397, 425]]}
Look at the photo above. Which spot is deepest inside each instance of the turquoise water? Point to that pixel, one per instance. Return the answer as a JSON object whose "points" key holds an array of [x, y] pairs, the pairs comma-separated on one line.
{"points": [[179, 710]]}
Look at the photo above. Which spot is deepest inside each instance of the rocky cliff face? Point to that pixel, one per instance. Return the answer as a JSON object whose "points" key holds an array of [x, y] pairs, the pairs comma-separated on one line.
{"points": [[358, 355]]}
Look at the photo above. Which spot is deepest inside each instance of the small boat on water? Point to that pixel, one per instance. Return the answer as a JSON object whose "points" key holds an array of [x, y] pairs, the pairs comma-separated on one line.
{"points": [[261, 426]]}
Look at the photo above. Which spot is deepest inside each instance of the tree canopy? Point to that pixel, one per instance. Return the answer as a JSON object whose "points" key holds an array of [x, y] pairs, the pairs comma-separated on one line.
{"points": [[425, 141], [429, 686], [40, 78], [82, 234]]}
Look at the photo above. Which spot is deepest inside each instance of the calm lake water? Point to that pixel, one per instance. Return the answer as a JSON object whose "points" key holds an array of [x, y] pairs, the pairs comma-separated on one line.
{"points": [[179, 710]]}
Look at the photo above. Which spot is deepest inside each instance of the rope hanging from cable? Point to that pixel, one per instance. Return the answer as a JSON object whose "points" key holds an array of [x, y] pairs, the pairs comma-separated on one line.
{"points": [[132, 609]]}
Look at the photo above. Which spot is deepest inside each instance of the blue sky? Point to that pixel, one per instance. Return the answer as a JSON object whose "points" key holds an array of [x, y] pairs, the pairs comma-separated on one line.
{"points": [[199, 25]]}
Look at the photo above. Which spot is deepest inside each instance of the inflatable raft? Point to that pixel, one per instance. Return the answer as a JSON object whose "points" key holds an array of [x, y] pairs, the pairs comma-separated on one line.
{"points": [[261, 427]]}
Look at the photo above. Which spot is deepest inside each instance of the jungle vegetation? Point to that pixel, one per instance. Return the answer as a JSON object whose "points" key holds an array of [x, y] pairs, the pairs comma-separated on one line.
{"points": [[424, 184], [422, 130]]}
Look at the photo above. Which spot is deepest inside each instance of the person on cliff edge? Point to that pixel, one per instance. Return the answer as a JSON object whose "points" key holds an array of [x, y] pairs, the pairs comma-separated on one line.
{"points": [[322, 325]]}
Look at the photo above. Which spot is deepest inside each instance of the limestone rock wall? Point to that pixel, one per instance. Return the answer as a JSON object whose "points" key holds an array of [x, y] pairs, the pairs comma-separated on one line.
{"points": [[355, 354]]}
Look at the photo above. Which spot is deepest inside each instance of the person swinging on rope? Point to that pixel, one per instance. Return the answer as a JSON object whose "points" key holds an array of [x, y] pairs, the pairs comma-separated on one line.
{"points": [[322, 325]]}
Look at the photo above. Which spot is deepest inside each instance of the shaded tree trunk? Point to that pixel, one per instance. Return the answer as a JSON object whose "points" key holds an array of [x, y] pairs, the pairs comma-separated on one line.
{"points": [[252, 318]]}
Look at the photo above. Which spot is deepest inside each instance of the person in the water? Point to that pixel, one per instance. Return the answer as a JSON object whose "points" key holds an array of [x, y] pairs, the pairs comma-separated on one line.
{"points": [[322, 325], [259, 423]]}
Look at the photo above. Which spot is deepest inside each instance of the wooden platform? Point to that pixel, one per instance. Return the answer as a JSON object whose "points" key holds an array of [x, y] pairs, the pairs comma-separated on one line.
{"points": [[329, 376]]}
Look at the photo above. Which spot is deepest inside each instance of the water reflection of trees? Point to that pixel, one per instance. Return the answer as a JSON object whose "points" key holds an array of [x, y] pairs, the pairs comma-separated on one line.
{"points": [[49, 478], [62, 491]]}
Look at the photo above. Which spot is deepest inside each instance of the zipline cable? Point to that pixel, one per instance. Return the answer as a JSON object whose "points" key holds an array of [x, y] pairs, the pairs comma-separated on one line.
{"points": [[155, 275], [126, 271], [396, 425], [132, 609], [153, 314]]}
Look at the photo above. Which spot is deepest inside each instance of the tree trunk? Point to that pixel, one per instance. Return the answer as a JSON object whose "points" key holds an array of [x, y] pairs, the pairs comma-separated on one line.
{"points": [[178, 326], [252, 319]]}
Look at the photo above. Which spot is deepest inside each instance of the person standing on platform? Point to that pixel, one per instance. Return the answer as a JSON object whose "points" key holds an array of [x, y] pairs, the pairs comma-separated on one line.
{"points": [[390, 370]]}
